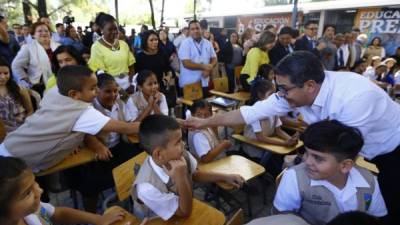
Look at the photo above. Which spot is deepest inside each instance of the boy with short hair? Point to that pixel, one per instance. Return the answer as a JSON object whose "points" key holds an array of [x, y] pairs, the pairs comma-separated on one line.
{"points": [[59, 126], [163, 185], [327, 182]]}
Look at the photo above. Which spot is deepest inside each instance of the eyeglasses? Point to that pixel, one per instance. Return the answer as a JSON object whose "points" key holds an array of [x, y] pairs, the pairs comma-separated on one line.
{"points": [[312, 28], [282, 91]]}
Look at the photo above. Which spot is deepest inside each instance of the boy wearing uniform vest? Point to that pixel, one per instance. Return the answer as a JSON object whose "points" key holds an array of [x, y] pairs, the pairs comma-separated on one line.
{"points": [[59, 126], [327, 182], [204, 143], [163, 186]]}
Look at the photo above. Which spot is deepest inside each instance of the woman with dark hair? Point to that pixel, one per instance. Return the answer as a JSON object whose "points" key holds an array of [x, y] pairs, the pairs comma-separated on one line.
{"points": [[72, 38], [110, 54], [375, 49], [232, 56], [64, 56], [15, 104], [155, 60], [165, 44], [257, 56]]}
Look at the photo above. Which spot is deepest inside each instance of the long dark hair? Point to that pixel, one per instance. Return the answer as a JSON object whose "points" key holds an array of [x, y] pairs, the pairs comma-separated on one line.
{"points": [[72, 51], [13, 89], [145, 36], [11, 173]]}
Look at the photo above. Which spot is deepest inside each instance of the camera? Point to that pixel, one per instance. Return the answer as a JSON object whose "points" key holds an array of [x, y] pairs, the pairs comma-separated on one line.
{"points": [[68, 20]]}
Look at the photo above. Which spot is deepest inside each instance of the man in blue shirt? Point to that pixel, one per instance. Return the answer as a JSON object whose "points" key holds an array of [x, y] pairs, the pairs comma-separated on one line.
{"points": [[197, 57]]}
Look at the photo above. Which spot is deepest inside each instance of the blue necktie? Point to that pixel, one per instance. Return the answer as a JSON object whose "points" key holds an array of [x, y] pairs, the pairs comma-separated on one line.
{"points": [[341, 60]]}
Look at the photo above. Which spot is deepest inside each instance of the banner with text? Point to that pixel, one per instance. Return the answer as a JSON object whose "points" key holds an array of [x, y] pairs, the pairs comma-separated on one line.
{"points": [[260, 22], [383, 23]]}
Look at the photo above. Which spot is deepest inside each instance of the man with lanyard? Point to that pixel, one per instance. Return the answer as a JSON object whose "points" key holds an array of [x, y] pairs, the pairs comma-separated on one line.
{"points": [[344, 96], [197, 58]]}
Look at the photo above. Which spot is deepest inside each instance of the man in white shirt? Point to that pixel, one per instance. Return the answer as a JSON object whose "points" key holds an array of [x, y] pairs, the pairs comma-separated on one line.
{"points": [[347, 97], [197, 58]]}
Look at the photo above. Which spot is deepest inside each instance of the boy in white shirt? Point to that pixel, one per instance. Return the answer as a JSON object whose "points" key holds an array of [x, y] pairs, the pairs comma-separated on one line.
{"points": [[163, 186], [327, 182], [59, 126]]}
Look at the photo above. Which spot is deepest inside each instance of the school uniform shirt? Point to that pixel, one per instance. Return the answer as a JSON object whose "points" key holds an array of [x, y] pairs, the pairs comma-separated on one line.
{"points": [[346, 97], [113, 137], [162, 204], [42, 216], [90, 122], [200, 145], [288, 197], [267, 127], [136, 107]]}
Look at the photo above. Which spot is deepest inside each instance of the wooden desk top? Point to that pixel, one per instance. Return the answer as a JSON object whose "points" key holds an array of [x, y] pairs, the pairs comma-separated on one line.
{"points": [[294, 128], [124, 175], [83, 156], [282, 150], [238, 96], [202, 214], [134, 138], [360, 161], [233, 164], [185, 101]]}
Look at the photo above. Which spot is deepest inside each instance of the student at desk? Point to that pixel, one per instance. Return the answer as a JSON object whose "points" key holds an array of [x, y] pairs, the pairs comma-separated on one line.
{"points": [[204, 143], [327, 182], [163, 186], [262, 130], [59, 126], [94, 177]]}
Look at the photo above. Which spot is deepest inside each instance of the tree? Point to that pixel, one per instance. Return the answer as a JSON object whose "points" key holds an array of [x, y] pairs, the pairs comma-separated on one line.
{"points": [[153, 22]]}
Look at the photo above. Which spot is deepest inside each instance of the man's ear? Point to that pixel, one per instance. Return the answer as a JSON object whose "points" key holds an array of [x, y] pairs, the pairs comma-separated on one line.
{"points": [[310, 85], [74, 94], [346, 165]]}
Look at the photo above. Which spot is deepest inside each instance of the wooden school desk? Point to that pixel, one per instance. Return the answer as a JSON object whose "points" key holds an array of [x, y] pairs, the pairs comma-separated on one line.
{"points": [[233, 164], [202, 214], [83, 156], [240, 96], [281, 150]]}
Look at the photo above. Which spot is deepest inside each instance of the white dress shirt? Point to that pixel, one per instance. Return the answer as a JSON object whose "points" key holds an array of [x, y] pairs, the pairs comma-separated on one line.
{"points": [[162, 204], [350, 99], [288, 196]]}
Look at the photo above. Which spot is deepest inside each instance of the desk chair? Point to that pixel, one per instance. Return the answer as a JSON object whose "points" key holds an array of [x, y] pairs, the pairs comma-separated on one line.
{"points": [[221, 84], [238, 71], [123, 176]]}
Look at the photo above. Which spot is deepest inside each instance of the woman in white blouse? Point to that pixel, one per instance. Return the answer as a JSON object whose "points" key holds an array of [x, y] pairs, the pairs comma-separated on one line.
{"points": [[32, 65]]}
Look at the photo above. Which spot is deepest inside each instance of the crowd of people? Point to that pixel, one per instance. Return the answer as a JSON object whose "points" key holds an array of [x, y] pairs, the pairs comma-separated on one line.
{"points": [[61, 86]]}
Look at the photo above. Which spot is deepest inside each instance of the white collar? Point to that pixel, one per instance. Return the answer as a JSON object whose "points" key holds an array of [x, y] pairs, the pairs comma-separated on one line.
{"points": [[159, 171], [320, 100], [354, 180], [113, 109]]}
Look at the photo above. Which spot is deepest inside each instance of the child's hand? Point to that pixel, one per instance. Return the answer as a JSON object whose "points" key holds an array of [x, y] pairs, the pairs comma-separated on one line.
{"points": [[226, 144], [103, 154], [292, 141], [151, 101], [111, 217], [177, 169], [234, 180], [157, 98]]}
